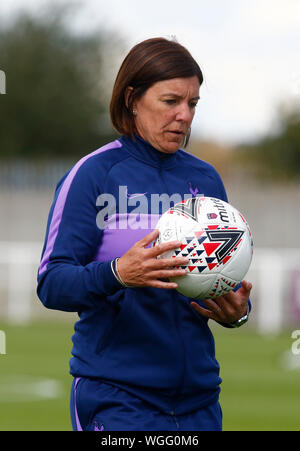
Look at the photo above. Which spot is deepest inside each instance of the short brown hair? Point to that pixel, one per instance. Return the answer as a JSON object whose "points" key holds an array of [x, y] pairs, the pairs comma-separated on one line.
{"points": [[148, 62]]}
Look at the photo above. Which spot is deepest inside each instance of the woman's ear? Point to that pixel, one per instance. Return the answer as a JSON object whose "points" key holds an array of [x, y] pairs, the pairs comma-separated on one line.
{"points": [[128, 93]]}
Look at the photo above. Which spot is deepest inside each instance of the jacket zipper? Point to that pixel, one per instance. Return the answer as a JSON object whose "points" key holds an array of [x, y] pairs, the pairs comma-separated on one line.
{"points": [[176, 316]]}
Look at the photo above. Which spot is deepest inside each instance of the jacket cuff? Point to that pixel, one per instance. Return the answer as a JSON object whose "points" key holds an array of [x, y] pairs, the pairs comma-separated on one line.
{"points": [[109, 283]]}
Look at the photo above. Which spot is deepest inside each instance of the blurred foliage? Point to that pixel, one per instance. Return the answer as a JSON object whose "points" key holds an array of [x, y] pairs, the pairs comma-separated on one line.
{"points": [[56, 95], [276, 156], [220, 156]]}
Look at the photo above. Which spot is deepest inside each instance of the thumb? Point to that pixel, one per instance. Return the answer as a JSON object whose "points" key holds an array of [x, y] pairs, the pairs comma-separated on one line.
{"points": [[246, 286]]}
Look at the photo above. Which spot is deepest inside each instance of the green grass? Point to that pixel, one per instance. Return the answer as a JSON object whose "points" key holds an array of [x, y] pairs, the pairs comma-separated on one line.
{"points": [[258, 393], [35, 353]]}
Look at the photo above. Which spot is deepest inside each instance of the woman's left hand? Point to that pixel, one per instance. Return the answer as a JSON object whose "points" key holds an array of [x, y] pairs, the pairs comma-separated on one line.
{"points": [[227, 308]]}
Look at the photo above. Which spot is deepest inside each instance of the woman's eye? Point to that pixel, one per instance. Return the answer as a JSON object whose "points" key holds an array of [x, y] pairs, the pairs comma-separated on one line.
{"points": [[170, 101]]}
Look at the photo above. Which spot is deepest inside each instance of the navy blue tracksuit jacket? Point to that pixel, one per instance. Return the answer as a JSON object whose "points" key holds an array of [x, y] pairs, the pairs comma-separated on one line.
{"points": [[148, 341]]}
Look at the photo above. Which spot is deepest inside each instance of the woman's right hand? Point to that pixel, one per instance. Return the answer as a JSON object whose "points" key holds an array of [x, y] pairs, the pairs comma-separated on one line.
{"points": [[140, 267]]}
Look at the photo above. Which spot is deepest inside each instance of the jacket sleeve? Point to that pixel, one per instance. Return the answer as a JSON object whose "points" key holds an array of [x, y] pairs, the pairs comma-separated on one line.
{"points": [[68, 277]]}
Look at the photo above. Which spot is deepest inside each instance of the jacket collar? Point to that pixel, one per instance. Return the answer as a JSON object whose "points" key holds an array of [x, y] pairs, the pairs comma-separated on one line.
{"points": [[144, 151]]}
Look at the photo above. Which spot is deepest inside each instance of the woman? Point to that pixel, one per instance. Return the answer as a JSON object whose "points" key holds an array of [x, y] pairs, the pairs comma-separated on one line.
{"points": [[143, 354]]}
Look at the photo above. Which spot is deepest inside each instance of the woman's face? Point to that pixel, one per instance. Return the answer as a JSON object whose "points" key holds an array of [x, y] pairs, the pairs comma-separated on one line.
{"points": [[163, 115]]}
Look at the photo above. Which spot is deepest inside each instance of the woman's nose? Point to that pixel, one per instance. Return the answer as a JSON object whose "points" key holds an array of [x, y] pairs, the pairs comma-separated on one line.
{"points": [[184, 113]]}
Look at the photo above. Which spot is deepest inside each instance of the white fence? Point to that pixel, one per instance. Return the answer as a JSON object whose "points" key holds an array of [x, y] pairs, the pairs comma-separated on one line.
{"points": [[18, 270], [275, 274]]}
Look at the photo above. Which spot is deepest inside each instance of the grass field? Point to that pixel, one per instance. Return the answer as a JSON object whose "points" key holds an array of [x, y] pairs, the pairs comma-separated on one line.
{"points": [[258, 391]]}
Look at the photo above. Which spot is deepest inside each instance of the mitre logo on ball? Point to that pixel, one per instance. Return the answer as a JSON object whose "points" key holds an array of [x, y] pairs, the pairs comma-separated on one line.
{"points": [[217, 240]]}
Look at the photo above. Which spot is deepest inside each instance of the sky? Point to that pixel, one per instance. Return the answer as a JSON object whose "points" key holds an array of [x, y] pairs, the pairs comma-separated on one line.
{"points": [[248, 51]]}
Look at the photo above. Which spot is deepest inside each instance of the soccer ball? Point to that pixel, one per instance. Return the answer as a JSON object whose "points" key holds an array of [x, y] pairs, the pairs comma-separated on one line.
{"points": [[217, 240]]}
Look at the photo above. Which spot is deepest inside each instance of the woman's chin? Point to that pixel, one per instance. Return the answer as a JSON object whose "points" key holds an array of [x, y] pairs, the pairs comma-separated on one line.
{"points": [[170, 146]]}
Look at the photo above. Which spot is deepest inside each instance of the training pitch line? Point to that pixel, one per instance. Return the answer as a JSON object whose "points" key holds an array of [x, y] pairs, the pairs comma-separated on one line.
{"points": [[24, 388]]}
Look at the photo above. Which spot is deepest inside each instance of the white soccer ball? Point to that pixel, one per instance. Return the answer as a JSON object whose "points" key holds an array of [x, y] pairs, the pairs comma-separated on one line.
{"points": [[217, 240]]}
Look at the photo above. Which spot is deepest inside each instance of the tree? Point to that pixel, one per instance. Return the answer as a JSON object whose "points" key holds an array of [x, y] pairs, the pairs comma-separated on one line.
{"points": [[278, 155], [55, 102]]}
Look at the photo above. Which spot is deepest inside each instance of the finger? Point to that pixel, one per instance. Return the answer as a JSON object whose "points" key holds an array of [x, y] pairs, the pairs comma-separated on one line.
{"points": [[164, 247], [204, 312], [231, 299], [227, 308], [212, 304], [215, 307], [233, 305], [162, 284], [174, 262], [241, 294], [147, 239], [165, 274], [247, 286]]}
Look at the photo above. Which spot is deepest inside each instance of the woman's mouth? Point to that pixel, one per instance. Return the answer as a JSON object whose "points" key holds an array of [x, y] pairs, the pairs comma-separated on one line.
{"points": [[176, 132]]}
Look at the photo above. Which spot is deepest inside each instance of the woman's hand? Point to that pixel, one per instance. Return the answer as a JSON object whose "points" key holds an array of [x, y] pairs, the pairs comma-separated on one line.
{"points": [[140, 267], [228, 308]]}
